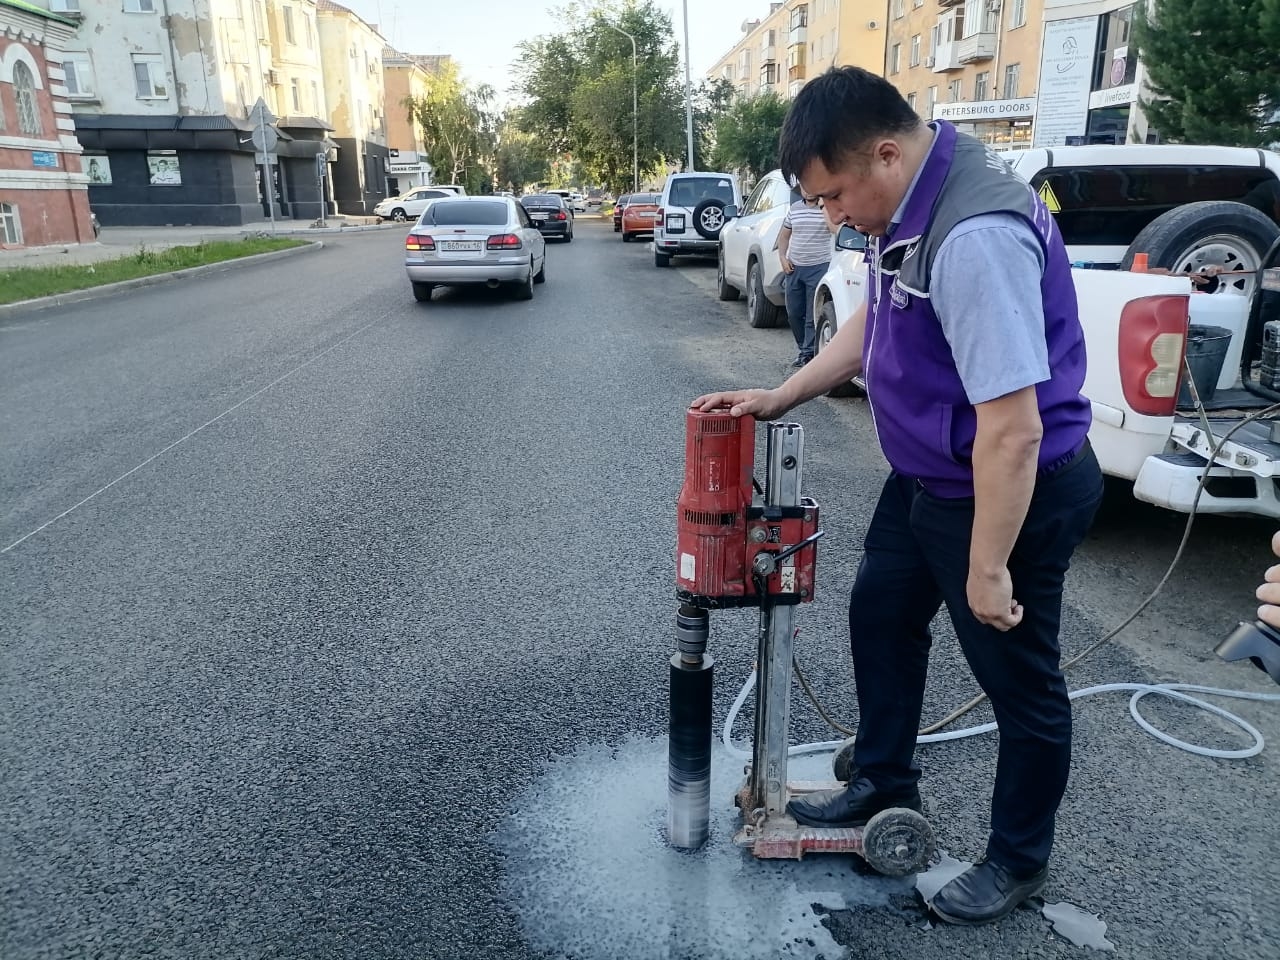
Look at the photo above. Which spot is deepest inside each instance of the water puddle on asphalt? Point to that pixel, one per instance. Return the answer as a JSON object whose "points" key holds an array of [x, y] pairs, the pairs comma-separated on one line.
{"points": [[588, 873]]}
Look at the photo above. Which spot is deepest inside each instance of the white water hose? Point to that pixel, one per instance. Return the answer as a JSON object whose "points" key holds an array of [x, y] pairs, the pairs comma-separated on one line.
{"points": [[1174, 691]]}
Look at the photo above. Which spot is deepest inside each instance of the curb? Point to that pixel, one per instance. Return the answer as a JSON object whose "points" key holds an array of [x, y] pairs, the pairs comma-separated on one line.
{"points": [[121, 286]]}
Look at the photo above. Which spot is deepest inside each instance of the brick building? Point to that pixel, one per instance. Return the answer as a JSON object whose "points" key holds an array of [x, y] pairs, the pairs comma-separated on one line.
{"points": [[43, 191]]}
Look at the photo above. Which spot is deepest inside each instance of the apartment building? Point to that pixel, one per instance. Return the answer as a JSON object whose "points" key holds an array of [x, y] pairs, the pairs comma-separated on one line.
{"points": [[797, 39], [43, 196], [355, 92], [1090, 78], [405, 76], [973, 62]]}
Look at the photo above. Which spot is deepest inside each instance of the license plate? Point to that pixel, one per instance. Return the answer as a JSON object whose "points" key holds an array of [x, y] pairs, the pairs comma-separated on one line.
{"points": [[539, 217], [647, 216], [454, 246], [675, 223]]}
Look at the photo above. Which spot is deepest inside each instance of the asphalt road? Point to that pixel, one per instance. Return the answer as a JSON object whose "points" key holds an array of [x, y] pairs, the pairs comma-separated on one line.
{"points": [[336, 625]]}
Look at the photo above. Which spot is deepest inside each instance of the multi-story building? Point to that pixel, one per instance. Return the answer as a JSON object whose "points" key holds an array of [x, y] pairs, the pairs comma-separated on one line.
{"points": [[973, 62], [405, 76], [162, 92], [798, 39], [351, 54], [1090, 77], [43, 197]]}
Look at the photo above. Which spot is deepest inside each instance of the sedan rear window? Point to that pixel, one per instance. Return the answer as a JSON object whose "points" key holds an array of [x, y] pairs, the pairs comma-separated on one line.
{"points": [[1109, 206], [541, 200], [445, 213], [691, 191], [644, 198]]}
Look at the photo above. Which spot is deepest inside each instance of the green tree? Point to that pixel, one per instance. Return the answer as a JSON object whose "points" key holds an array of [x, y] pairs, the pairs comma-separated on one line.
{"points": [[459, 128], [521, 159], [578, 86], [747, 134], [1215, 70]]}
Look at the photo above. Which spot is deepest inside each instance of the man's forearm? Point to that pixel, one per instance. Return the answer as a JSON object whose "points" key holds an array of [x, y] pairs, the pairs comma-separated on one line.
{"points": [[1004, 478]]}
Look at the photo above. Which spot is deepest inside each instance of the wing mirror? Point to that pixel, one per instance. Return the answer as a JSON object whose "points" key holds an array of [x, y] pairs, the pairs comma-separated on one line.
{"points": [[730, 211], [850, 239]]}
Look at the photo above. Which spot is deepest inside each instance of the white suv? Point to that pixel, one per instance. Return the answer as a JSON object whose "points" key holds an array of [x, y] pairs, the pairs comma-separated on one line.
{"points": [[749, 261], [691, 215], [410, 204]]}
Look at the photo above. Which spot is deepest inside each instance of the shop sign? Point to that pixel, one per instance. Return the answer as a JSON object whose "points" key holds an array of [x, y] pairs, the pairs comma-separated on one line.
{"points": [[43, 158], [981, 110], [398, 168], [1115, 97]]}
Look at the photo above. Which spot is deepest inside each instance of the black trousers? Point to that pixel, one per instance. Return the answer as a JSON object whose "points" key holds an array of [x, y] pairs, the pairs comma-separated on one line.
{"points": [[916, 558]]}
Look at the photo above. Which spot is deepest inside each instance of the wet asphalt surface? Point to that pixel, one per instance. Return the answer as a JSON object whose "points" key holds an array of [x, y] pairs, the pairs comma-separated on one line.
{"points": [[340, 569]]}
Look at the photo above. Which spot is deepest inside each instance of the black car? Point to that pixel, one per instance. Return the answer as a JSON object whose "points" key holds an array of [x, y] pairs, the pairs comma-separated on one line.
{"points": [[550, 214]]}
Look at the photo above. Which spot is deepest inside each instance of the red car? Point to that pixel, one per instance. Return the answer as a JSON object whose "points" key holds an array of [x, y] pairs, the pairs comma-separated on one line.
{"points": [[617, 211], [639, 215]]}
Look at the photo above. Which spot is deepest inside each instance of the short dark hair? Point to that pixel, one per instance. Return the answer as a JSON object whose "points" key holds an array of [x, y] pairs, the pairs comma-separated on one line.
{"points": [[838, 113]]}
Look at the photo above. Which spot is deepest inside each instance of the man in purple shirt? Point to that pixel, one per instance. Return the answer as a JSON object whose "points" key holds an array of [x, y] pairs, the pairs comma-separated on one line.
{"points": [[973, 355]]}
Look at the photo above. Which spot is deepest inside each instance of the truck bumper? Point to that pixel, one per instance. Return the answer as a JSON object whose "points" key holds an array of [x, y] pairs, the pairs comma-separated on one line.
{"points": [[1171, 480]]}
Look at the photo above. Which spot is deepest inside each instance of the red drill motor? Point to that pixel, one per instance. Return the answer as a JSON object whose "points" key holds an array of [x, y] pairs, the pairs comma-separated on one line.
{"points": [[732, 551]]}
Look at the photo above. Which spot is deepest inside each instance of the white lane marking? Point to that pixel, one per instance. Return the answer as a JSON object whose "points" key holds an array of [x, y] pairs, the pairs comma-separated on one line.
{"points": [[183, 439]]}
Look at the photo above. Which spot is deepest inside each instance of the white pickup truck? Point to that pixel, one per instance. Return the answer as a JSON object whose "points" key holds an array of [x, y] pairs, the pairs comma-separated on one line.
{"points": [[1181, 206]]}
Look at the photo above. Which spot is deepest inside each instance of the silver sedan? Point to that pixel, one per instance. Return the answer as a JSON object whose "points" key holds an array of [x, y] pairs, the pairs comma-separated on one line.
{"points": [[475, 240]]}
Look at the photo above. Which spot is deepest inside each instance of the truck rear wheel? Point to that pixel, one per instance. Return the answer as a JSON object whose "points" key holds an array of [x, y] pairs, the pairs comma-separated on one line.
{"points": [[1232, 237]]}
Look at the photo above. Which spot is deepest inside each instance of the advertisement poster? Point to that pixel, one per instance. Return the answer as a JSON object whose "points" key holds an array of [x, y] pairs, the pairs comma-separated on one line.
{"points": [[1066, 69], [164, 171], [98, 170]]}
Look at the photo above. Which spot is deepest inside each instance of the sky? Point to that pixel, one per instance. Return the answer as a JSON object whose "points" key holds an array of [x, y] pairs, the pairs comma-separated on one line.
{"points": [[482, 34]]}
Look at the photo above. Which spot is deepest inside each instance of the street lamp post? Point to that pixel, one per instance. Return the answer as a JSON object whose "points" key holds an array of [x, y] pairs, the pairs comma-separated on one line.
{"points": [[635, 110], [688, 88]]}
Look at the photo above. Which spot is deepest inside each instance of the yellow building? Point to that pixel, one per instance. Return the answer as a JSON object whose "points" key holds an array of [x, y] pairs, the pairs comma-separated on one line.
{"points": [[404, 76], [797, 39], [975, 63]]}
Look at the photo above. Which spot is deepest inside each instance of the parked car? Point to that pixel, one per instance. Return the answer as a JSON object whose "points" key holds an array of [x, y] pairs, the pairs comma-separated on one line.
{"points": [[691, 215], [639, 216], [1181, 207], [475, 240], [617, 211], [566, 196], [550, 215], [749, 259], [409, 206]]}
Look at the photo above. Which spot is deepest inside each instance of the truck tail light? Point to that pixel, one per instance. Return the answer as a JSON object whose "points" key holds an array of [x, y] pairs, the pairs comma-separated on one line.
{"points": [[1153, 337], [504, 241], [415, 242]]}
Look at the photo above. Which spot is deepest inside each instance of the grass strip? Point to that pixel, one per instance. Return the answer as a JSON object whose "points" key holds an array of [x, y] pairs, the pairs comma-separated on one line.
{"points": [[27, 283]]}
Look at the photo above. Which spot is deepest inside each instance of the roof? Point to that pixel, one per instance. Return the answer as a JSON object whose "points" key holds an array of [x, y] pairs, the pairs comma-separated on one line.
{"points": [[432, 63], [331, 6], [38, 11]]}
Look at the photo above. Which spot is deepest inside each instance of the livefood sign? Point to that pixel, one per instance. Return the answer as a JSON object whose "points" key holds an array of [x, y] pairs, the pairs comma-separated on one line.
{"points": [[982, 110]]}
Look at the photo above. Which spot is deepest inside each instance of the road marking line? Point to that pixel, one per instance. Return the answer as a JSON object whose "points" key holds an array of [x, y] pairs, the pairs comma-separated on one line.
{"points": [[183, 439]]}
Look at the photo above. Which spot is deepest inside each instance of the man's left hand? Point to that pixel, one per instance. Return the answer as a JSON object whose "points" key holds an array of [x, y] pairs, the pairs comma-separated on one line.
{"points": [[991, 599]]}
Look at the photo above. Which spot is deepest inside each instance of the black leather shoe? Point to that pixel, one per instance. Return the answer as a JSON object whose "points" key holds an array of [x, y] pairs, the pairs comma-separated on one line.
{"points": [[986, 892], [852, 806]]}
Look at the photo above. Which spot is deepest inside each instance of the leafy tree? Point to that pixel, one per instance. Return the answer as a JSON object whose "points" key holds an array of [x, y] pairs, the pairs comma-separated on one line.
{"points": [[1215, 70], [578, 87], [521, 160], [747, 134], [459, 128]]}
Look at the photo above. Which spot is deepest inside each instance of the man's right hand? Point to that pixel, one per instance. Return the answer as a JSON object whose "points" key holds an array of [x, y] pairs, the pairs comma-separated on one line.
{"points": [[787, 265], [761, 404]]}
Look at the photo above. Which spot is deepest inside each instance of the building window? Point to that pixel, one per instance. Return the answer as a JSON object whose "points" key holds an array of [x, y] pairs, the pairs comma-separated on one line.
{"points": [[315, 98], [24, 90], [935, 38], [10, 225], [800, 17], [911, 100], [148, 77], [65, 6], [311, 43], [931, 101], [982, 85], [1011, 81], [288, 25], [79, 71], [915, 50], [899, 9], [895, 58], [953, 91], [139, 6], [1017, 14]]}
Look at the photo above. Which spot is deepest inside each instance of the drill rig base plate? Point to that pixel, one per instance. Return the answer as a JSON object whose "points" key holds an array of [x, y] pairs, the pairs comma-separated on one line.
{"points": [[895, 842]]}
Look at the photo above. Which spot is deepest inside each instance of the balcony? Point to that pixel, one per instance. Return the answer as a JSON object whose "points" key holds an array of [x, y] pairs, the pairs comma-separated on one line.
{"points": [[797, 35], [975, 49], [796, 72], [949, 3], [769, 54], [795, 87]]}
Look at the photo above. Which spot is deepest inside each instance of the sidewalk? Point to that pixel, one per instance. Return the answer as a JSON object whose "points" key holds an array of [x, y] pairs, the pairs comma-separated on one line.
{"points": [[122, 241]]}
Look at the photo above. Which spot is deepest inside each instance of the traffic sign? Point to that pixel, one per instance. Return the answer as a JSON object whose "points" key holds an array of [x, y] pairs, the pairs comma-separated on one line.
{"points": [[264, 138], [260, 115]]}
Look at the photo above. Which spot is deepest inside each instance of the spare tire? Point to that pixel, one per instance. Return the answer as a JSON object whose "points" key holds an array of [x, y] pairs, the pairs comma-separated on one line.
{"points": [[708, 218], [1208, 233]]}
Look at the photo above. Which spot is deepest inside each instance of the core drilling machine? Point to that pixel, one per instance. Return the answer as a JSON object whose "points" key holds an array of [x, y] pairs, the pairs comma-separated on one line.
{"points": [[740, 545]]}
